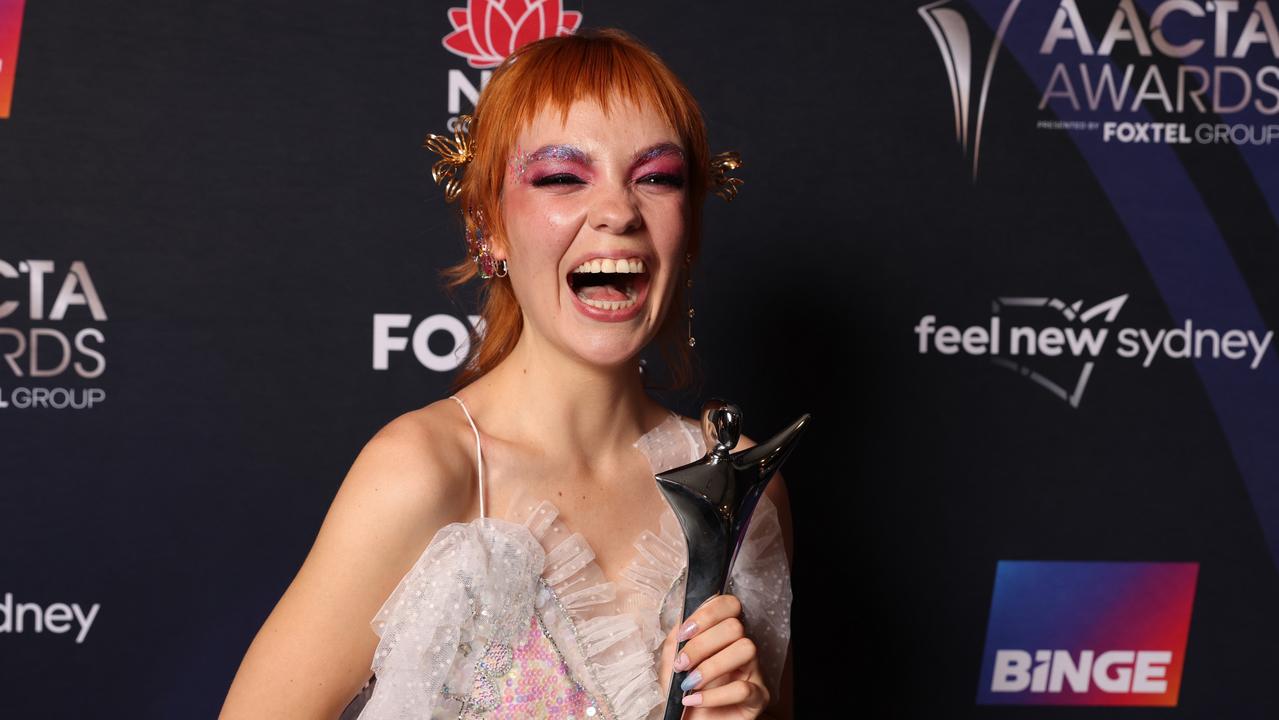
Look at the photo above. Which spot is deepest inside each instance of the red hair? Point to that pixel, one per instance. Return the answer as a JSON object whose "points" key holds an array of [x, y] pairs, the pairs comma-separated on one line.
{"points": [[604, 66]]}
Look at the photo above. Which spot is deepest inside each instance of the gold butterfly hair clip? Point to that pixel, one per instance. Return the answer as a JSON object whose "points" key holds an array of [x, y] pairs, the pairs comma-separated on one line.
{"points": [[454, 155], [722, 184]]}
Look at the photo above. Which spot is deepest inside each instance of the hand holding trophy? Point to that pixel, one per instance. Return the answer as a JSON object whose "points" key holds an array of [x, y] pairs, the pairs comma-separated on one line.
{"points": [[714, 499]]}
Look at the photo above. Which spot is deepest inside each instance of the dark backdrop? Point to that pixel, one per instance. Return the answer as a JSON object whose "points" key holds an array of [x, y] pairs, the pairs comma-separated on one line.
{"points": [[244, 186]]}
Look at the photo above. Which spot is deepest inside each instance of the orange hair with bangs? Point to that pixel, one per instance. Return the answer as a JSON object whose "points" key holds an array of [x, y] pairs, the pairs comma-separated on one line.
{"points": [[604, 66]]}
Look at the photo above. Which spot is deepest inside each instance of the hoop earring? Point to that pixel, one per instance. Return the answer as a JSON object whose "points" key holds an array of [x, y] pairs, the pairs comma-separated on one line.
{"points": [[688, 283]]}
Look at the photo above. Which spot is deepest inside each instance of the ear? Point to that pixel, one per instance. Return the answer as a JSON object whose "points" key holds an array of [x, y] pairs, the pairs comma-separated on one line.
{"points": [[497, 246], [497, 241]]}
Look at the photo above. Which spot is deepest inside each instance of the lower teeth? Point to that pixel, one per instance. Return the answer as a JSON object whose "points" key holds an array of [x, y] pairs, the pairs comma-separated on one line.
{"points": [[608, 304]]}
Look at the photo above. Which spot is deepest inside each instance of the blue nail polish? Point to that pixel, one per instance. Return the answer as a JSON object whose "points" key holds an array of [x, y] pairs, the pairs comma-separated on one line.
{"points": [[690, 681]]}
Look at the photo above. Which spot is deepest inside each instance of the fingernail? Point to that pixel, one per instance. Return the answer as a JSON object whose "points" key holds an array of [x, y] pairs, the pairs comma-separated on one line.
{"points": [[694, 699], [687, 631], [681, 662], [691, 681]]}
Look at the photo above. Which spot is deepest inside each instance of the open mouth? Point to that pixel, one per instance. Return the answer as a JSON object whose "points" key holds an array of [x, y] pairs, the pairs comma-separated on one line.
{"points": [[609, 284]]}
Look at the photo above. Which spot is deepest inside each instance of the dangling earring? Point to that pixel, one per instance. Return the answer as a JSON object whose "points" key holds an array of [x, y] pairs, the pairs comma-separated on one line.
{"points": [[477, 244], [688, 259]]}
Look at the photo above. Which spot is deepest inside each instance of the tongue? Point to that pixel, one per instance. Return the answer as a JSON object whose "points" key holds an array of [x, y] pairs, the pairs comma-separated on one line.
{"points": [[609, 293]]}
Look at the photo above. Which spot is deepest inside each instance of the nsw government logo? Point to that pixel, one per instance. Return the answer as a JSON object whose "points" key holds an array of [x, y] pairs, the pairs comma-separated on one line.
{"points": [[486, 31], [1087, 633]]}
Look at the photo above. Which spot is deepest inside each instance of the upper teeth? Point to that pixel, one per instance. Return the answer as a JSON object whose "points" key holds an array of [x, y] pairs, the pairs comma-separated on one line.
{"points": [[610, 265]]}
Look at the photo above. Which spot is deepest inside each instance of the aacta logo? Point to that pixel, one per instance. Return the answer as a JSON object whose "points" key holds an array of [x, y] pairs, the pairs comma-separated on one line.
{"points": [[1188, 59], [10, 30], [952, 32], [1087, 633], [486, 31]]}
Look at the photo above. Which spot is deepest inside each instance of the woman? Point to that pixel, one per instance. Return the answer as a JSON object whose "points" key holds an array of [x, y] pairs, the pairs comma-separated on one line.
{"points": [[510, 542]]}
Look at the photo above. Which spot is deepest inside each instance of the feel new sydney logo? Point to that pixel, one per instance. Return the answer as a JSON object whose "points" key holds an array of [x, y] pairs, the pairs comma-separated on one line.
{"points": [[1058, 344]]}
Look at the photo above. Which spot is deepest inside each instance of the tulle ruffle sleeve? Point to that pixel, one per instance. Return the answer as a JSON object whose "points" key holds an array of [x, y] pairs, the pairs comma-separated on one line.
{"points": [[761, 581], [471, 588]]}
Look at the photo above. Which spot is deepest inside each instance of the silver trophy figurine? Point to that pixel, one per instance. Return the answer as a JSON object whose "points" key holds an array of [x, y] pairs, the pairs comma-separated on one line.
{"points": [[714, 499]]}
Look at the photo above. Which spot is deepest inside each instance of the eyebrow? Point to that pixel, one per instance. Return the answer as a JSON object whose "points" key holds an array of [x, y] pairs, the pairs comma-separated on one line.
{"points": [[656, 151], [574, 154], [558, 152]]}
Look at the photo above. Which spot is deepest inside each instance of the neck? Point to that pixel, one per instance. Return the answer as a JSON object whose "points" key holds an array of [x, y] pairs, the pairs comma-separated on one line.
{"points": [[594, 410]]}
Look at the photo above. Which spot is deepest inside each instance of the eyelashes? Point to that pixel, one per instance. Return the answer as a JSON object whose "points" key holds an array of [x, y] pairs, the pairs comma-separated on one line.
{"points": [[557, 179], [669, 179], [564, 179]]}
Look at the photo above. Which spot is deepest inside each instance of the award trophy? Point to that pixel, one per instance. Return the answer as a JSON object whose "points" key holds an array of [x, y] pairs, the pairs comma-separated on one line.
{"points": [[714, 499]]}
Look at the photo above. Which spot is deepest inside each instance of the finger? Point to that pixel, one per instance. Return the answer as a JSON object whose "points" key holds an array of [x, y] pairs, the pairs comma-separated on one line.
{"points": [[710, 641], [667, 655], [738, 692], [739, 654], [718, 608]]}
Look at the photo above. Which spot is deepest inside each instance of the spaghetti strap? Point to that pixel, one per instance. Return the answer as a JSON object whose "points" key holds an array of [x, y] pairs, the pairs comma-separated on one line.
{"points": [[479, 456]]}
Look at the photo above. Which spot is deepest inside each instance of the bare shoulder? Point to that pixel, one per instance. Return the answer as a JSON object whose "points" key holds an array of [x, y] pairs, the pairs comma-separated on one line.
{"points": [[418, 466], [315, 649]]}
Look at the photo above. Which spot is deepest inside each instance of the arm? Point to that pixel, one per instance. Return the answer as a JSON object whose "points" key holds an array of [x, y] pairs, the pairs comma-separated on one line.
{"points": [[314, 652]]}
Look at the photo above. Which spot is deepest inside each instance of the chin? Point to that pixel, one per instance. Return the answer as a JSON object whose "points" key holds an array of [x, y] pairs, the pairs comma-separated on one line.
{"points": [[606, 352]]}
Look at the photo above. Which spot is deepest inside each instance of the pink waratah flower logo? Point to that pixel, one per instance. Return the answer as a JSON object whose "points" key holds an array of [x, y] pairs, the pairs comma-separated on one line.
{"points": [[486, 31]]}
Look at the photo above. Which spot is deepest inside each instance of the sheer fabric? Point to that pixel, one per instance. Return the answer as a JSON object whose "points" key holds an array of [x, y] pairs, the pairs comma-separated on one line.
{"points": [[511, 616]]}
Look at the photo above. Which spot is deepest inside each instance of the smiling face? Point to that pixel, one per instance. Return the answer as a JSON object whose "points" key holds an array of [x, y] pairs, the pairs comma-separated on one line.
{"points": [[595, 213]]}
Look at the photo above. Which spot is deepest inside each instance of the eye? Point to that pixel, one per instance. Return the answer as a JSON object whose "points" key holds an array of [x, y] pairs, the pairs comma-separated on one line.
{"points": [[662, 179], [557, 179]]}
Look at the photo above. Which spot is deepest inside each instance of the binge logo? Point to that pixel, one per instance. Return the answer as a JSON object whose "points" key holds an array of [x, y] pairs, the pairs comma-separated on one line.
{"points": [[1087, 633], [10, 30]]}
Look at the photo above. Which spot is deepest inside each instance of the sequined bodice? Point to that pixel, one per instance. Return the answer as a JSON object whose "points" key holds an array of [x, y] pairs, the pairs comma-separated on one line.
{"points": [[528, 679], [511, 616]]}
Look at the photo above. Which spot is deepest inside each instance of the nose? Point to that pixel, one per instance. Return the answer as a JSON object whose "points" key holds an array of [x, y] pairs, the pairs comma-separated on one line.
{"points": [[614, 210]]}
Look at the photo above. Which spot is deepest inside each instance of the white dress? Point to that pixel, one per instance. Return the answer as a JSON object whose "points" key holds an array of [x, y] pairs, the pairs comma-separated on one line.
{"points": [[511, 617]]}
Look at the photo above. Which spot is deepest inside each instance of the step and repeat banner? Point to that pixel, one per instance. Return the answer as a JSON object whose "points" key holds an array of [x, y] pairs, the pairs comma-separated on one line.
{"points": [[1017, 257]]}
